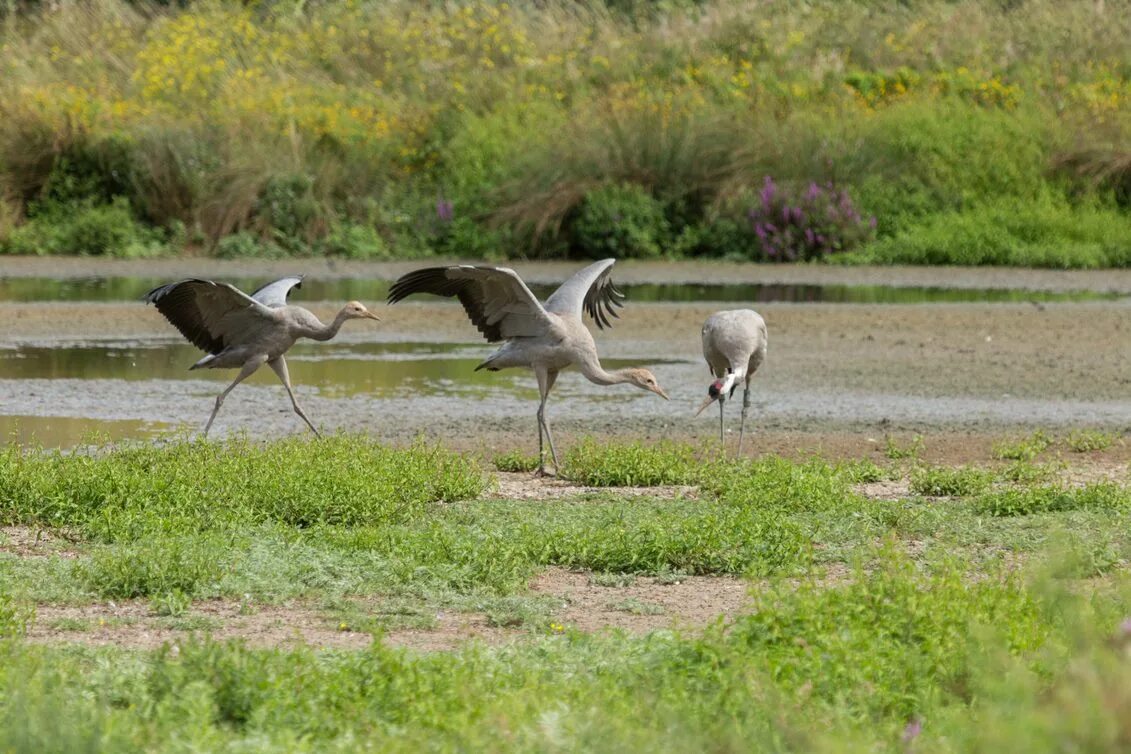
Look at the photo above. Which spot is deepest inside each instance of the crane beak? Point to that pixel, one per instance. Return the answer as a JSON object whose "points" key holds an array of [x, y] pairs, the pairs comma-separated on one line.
{"points": [[371, 315], [706, 403], [660, 392]]}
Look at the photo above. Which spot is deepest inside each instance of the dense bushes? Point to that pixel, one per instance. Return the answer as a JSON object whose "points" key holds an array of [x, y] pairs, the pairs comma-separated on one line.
{"points": [[638, 130]]}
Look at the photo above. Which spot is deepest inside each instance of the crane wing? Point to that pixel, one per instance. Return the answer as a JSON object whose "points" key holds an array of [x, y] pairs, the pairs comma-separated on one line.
{"points": [[212, 316], [275, 294], [591, 288], [496, 300]]}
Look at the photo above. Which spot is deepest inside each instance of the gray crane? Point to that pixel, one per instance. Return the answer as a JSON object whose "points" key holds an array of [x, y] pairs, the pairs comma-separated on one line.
{"points": [[734, 345], [546, 338], [245, 332]]}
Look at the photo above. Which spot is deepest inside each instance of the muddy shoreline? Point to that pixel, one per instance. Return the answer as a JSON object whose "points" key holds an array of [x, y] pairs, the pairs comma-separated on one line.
{"points": [[850, 371]]}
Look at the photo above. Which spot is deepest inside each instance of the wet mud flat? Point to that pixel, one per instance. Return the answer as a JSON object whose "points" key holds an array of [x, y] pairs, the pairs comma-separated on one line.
{"points": [[849, 371]]}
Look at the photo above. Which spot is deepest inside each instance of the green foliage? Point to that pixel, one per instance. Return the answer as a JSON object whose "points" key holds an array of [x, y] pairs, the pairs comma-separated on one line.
{"points": [[515, 460], [1023, 449], [14, 617], [83, 228], [1022, 233], [188, 487], [903, 635], [154, 567], [622, 221], [940, 481], [631, 465], [1051, 499], [629, 128], [895, 451], [1086, 441]]}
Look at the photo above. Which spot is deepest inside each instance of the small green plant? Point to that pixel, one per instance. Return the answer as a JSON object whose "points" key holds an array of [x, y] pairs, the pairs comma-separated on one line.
{"points": [[896, 451], [14, 617], [631, 464], [1051, 499], [515, 461], [938, 481], [1027, 472], [1023, 449], [174, 603], [1086, 441]]}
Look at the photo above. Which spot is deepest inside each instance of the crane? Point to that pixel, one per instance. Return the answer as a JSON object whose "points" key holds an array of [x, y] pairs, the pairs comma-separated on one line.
{"points": [[734, 345], [546, 338], [245, 332]]}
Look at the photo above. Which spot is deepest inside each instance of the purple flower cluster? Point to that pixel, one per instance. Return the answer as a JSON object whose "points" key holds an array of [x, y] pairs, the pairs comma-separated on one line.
{"points": [[791, 225]]}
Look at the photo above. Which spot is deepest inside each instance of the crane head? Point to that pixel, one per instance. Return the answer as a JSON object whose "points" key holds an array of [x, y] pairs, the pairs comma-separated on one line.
{"points": [[719, 390], [645, 380], [357, 310]]}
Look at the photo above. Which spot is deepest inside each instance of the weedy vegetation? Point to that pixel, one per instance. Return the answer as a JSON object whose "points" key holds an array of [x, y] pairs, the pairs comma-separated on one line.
{"points": [[998, 615], [928, 131]]}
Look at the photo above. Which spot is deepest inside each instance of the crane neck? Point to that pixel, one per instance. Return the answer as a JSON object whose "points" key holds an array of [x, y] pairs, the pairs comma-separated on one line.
{"points": [[731, 379], [595, 373], [326, 332]]}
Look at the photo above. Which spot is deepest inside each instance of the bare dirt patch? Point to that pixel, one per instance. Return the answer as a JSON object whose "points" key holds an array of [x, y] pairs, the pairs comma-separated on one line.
{"points": [[528, 486], [642, 605], [27, 542], [646, 604], [132, 625]]}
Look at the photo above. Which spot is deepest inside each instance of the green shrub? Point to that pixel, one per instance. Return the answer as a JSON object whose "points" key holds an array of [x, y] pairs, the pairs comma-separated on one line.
{"points": [[1023, 449], [622, 221], [152, 567], [903, 635], [515, 461], [631, 464], [939, 481], [1086, 441], [1053, 499], [99, 230]]}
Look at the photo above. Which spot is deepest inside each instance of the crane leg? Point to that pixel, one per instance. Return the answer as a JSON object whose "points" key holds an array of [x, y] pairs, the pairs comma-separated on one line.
{"points": [[246, 371], [722, 400], [742, 422], [545, 384], [279, 366]]}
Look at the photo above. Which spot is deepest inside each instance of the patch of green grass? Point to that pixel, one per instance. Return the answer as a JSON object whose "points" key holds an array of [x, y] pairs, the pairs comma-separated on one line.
{"points": [[1028, 501], [1028, 473], [894, 450], [1023, 449], [1049, 233], [515, 461], [940, 481], [821, 666], [170, 604], [74, 625], [123, 494], [601, 464], [1086, 441]]}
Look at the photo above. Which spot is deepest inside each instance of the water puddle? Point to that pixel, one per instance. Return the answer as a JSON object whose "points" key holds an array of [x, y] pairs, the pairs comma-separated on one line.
{"points": [[371, 290], [70, 431], [378, 369]]}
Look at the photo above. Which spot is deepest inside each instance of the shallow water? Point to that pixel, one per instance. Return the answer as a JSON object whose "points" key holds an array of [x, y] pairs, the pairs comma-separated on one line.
{"points": [[863, 368], [370, 290], [70, 431]]}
